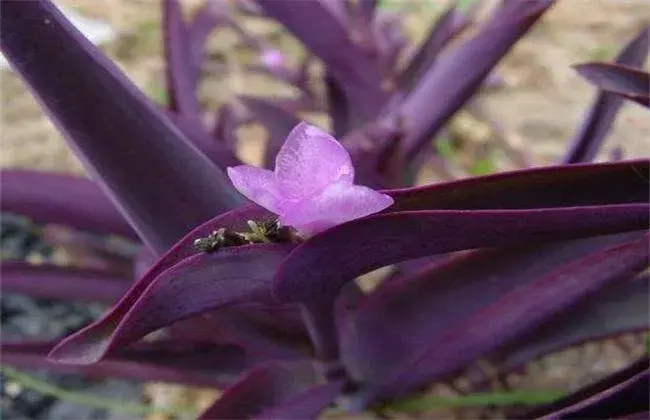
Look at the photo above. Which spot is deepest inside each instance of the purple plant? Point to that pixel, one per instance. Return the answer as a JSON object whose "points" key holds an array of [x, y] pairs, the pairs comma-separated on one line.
{"points": [[509, 266]]}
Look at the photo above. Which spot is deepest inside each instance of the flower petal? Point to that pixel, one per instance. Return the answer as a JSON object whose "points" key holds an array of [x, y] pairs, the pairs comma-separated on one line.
{"points": [[256, 184], [273, 59], [309, 161], [339, 203]]}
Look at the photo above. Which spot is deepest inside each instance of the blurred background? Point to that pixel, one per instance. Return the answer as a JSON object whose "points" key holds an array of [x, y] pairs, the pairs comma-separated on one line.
{"points": [[538, 103]]}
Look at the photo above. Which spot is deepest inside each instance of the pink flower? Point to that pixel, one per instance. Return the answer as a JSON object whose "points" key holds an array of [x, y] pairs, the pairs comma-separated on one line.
{"points": [[272, 59], [312, 186]]}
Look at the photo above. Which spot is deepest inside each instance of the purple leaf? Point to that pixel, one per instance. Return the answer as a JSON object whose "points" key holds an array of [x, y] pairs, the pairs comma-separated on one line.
{"points": [[641, 415], [218, 152], [408, 234], [225, 127], [275, 392], [308, 404], [235, 219], [302, 76], [312, 187], [513, 314], [448, 26], [278, 123], [476, 278], [338, 106], [319, 268], [597, 122], [269, 332], [48, 197], [376, 153], [615, 310], [451, 82], [391, 40], [553, 186], [620, 394], [356, 70], [624, 81], [179, 63], [57, 282], [142, 160], [194, 364], [367, 9], [197, 284], [205, 20]]}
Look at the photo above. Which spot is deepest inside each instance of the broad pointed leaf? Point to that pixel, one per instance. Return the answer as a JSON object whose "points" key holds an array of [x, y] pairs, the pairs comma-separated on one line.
{"points": [[620, 394], [392, 42], [449, 25], [513, 314], [476, 278], [225, 126], [414, 234], [194, 364], [451, 82], [615, 310], [163, 185], [267, 331], [558, 186], [217, 152], [597, 122], [338, 106], [47, 197], [235, 219], [205, 20], [627, 82], [367, 9], [197, 284], [357, 70], [179, 63], [275, 392], [57, 282]]}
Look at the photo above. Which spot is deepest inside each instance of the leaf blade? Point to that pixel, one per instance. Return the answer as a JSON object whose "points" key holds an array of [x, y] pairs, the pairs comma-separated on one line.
{"points": [[449, 25], [451, 82], [235, 276], [57, 282], [193, 364], [275, 391], [599, 118], [619, 309], [625, 81], [179, 64], [579, 184], [407, 301], [531, 195], [517, 311], [355, 68], [126, 142], [103, 327], [61, 199]]}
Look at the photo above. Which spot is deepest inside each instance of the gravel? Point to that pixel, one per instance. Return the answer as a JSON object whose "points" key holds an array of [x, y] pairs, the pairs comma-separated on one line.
{"points": [[23, 317]]}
